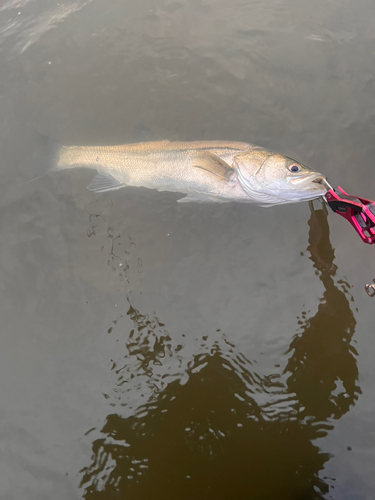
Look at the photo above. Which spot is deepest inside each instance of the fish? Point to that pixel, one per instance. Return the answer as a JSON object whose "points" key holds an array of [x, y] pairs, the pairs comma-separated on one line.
{"points": [[205, 171]]}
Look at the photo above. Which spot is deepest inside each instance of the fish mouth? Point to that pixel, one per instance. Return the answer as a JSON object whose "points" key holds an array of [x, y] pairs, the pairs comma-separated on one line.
{"points": [[303, 181], [323, 181]]}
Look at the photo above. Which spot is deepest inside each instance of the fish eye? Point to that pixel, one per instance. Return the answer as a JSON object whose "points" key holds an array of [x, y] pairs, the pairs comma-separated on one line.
{"points": [[294, 168]]}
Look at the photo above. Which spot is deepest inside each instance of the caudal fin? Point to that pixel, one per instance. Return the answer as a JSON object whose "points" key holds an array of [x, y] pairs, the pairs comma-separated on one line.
{"points": [[46, 156], [51, 150]]}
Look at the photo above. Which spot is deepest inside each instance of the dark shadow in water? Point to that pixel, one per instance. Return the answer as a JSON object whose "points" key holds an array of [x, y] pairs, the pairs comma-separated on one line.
{"points": [[323, 367], [230, 432]]}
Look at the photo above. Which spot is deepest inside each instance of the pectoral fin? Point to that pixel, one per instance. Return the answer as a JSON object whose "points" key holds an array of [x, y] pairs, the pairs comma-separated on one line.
{"points": [[212, 163], [104, 182]]}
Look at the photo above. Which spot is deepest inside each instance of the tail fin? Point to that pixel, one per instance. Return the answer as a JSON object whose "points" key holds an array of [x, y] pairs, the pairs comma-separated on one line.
{"points": [[47, 156], [51, 149]]}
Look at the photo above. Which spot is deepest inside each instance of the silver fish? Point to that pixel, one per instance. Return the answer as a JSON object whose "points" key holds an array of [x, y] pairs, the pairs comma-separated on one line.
{"points": [[209, 171]]}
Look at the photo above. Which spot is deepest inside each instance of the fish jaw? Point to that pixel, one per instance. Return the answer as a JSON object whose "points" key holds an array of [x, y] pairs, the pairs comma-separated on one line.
{"points": [[310, 186], [304, 180]]}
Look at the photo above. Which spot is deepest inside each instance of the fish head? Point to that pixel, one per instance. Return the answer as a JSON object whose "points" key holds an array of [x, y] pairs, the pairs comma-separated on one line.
{"points": [[272, 179]]}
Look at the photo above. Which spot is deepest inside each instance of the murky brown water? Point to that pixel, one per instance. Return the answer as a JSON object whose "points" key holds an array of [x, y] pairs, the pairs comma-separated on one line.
{"points": [[153, 350]]}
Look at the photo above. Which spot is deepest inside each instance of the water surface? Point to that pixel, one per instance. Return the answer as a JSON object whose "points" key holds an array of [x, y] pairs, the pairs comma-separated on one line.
{"points": [[157, 350]]}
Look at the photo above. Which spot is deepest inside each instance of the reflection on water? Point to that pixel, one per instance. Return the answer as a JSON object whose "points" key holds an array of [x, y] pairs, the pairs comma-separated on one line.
{"points": [[323, 367], [142, 370], [227, 431]]}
